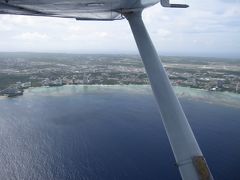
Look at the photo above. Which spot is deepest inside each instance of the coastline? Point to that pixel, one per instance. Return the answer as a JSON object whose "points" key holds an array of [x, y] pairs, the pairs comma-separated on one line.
{"points": [[221, 98]]}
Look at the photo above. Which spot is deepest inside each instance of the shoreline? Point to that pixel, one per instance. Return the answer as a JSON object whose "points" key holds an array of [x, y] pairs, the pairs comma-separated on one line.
{"points": [[221, 98], [193, 94]]}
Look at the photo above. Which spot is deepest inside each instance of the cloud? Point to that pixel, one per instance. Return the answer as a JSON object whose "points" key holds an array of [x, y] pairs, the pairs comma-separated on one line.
{"points": [[233, 12], [163, 33], [206, 26], [4, 27], [14, 20], [31, 36], [230, 1]]}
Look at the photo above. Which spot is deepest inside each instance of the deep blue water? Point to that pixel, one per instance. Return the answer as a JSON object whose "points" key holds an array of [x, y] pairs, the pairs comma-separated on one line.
{"points": [[107, 133]]}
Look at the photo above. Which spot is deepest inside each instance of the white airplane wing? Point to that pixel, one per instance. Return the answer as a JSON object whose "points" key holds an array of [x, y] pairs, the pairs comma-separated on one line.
{"points": [[79, 9]]}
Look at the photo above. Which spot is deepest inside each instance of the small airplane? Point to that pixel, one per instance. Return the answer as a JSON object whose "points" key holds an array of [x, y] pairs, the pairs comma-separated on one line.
{"points": [[189, 158]]}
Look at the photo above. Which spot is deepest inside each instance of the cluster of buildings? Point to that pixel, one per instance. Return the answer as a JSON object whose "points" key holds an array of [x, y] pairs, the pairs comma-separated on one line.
{"points": [[207, 80], [186, 79], [65, 80], [107, 78]]}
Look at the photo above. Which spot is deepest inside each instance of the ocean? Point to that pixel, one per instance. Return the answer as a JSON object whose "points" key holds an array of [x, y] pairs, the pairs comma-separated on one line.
{"points": [[111, 133]]}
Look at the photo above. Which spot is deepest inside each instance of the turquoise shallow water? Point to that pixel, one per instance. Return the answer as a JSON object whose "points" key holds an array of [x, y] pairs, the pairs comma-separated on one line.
{"points": [[111, 132], [222, 98]]}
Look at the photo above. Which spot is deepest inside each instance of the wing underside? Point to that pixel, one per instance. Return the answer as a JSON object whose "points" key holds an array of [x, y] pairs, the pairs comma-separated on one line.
{"points": [[79, 9]]}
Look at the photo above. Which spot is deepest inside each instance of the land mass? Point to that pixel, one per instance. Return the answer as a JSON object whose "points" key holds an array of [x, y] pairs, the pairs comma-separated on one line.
{"points": [[22, 70]]}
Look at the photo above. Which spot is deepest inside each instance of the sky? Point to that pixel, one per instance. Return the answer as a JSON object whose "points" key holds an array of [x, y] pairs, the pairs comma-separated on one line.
{"points": [[206, 28]]}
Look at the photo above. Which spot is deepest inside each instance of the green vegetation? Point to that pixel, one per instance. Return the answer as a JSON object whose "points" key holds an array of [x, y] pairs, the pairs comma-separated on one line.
{"points": [[8, 80]]}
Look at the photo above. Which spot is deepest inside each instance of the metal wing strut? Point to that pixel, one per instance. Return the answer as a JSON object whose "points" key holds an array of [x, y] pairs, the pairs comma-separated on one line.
{"points": [[188, 155]]}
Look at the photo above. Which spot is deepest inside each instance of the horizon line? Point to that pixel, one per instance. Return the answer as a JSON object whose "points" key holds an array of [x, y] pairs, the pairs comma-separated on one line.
{"points": [[163, 54]]}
